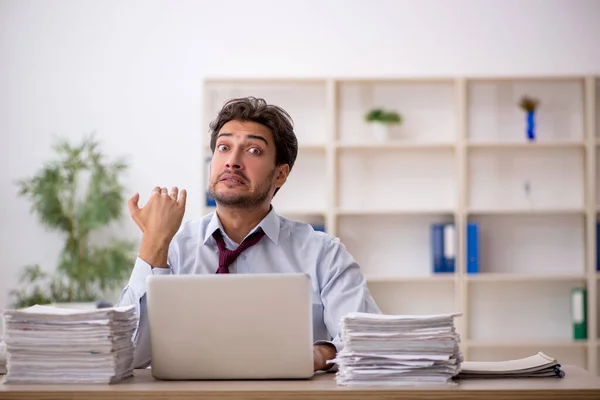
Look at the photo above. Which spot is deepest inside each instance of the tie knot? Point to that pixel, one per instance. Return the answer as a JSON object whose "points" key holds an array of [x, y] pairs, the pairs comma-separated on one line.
{"points": [[226, 257]]}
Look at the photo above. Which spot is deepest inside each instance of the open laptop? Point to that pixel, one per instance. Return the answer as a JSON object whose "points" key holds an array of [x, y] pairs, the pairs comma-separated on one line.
{"points": [[230, 326]]}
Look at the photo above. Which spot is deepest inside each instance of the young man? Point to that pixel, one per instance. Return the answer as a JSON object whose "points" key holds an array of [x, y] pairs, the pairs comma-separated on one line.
{"points": [[254, 149]]}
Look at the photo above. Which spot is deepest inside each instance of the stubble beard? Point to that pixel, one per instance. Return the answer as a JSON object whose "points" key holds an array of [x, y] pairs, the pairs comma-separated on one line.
{"points": [[244, 201]]}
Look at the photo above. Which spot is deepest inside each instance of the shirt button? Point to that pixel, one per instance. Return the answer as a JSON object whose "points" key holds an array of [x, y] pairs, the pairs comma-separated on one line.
{"points": [[243, 257]]}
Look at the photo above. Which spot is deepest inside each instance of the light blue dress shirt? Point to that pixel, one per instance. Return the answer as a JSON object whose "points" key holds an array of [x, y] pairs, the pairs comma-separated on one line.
{"points": [[338, 286]]}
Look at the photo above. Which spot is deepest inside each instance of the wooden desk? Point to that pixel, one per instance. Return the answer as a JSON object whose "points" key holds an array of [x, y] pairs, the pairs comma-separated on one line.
{"points": [[577, 384]]}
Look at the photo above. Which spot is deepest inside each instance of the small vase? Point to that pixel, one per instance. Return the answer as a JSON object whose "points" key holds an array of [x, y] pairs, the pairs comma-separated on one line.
{"points": [[531, 125], [381, 132]]}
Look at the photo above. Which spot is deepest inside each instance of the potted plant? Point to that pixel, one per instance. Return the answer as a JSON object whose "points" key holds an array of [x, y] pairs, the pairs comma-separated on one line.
{"points": [[77, 194], [529, 105], [381, 120]]}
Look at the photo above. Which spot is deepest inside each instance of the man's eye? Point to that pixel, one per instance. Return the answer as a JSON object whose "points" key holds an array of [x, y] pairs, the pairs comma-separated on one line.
{"points": [[254, 150], [222, 147]]}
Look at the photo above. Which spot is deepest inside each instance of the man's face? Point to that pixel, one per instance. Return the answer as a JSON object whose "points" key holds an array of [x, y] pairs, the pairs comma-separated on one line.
{"points": [[243, 172]]}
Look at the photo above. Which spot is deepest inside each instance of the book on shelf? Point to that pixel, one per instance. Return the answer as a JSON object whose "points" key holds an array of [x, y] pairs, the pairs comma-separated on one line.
{"points": [[579, 313], [319, 227], [210, 202], [443, 247], [472, 248]]}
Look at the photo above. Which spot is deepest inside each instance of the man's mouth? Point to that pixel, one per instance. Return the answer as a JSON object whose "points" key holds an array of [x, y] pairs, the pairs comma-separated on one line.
{"points": [[232, 179]]}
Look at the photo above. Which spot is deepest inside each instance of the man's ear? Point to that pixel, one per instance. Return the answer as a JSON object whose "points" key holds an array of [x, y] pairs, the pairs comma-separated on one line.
{"points": [[281, 174]]}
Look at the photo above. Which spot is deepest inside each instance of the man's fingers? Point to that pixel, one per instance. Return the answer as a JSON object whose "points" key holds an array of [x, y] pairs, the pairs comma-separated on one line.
{"points": [[174, 192], [182, 197], [132, 204], [164, 191], [155, 191]]}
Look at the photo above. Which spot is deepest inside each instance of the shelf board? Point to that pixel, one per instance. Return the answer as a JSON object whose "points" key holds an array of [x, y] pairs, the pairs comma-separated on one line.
{"points": [[408, 80], [301, 147], [396, 145], [312, 147], [501, 277], [536, 344], [526, 145], [356, 212], [299, 212], [278, 80], [410, 279], [516, 211]]}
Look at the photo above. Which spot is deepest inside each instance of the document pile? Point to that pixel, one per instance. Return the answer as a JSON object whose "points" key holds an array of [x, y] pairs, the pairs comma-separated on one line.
{"points": [[46, 344], [2, 358], [398, 350], [539, 365]]}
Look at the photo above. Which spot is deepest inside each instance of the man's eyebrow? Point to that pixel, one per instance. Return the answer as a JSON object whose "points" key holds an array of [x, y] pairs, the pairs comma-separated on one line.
{"points": [[250, 136]]}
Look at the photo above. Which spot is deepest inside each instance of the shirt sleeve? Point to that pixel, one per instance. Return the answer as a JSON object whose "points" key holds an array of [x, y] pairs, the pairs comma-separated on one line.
{"points": [[135, 294], [343, 289]]}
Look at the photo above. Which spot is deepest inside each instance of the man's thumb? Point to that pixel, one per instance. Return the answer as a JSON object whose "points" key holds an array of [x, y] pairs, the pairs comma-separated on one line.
{"points": [[132, 204]]}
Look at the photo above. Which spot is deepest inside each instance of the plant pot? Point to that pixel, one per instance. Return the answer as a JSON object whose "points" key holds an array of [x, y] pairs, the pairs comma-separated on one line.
{"points": [[381, 132]]}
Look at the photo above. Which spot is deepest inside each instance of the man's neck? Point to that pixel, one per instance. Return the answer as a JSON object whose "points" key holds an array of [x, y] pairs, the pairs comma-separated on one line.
{"points": [[238, 223]]}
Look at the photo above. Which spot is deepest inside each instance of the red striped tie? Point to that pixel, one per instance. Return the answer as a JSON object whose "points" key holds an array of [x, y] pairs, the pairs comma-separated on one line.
{"points": [[226, 257]]}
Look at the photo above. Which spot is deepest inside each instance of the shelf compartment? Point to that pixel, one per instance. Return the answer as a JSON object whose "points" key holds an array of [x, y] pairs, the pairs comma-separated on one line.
{"points": [[405, 180], [304, 100], [540, 246], [414, 297], [516, 211], [527, 145], [396, 145], [427, 109], [381, 212], [519, 277], [494, 112], [390, 245], [296, 193], [523, 179], [544, 308], [500, 344], [437, 278]]}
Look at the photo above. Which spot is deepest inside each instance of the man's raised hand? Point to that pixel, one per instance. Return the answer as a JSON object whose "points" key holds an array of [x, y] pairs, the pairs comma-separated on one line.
{"points": [[160, 219]]}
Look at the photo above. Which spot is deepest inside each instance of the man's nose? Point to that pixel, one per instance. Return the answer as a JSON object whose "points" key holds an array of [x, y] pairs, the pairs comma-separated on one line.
{"points": [[234, 161]]}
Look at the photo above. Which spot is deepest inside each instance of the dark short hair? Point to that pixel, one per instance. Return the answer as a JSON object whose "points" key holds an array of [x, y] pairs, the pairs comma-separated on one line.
{"points": [[273, 117]]}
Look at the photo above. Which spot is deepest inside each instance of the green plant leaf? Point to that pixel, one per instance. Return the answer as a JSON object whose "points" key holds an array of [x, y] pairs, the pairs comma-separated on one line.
{"points": [[77, 193]]}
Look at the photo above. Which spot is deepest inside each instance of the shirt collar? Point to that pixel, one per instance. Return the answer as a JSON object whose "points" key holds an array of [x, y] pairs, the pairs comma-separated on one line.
{"points": [[269, 224]]}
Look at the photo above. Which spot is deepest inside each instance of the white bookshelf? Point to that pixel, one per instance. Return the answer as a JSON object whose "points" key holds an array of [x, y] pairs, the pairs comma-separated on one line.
{"points": [[460, 156]]}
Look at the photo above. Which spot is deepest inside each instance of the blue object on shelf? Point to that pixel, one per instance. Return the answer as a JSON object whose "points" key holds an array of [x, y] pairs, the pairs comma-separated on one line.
{"points": [[320, 228], [472, 248], [531, 125], [210, 202], [449, 247], [437, 247]]}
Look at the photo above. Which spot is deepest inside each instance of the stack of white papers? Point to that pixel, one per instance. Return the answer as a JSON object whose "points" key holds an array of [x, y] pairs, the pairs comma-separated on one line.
{"points": [[538, 365], [398, 350], [56, 345]]}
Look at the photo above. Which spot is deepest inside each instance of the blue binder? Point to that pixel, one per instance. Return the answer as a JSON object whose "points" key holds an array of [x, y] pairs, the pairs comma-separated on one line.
{"points": [[472, 248], [449, 247], [210, 201], [320, 228], [437, 247]]}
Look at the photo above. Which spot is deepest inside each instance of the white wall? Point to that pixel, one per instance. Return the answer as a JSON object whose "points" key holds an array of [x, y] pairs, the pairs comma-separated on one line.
{"points": [[132, 72]]}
